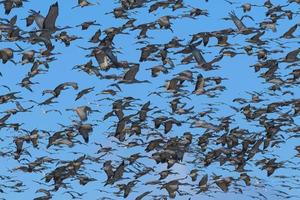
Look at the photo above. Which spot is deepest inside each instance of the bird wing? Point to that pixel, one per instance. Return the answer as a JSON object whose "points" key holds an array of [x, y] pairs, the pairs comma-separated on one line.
{"points": [[199, 85], [102, 60], [39, 20], [290, 31], [81, 113], [293, 54], [49, 22], [130, 74], [216, 59], [239, 24], [203, 181], [198, 56], [111, 56], [74, 85]]}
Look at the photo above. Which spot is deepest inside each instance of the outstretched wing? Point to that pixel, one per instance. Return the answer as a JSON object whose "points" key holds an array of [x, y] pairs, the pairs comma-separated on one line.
{"points": [[49, 22], [239, 24], [197, 55], [130, 74]]}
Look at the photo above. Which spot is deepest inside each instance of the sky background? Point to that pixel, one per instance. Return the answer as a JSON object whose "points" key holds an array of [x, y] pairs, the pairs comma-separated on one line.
{"points": [[241, 78]]}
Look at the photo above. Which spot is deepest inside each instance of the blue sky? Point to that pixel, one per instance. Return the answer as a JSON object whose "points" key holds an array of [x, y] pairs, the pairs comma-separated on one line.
{"points": [[240, 79]]}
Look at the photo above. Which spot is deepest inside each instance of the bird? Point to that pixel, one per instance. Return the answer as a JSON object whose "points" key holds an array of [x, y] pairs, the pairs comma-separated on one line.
{"points": [[239, 24], [197, 55], [57, 90], [84, 92], [289, 33], [292, 56], [87, 24], [199, 88], [47, 23], [83, 3], [95, 37], [84, 130], [203, 183], [129, 76], [82, 112]]}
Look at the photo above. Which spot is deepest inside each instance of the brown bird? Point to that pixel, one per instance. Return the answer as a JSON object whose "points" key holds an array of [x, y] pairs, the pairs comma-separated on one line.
{"points": [[168, 124], [160, 4], [164, 22], [141, 196], [84, 130], [82, 112], [193, 174], [47, 23], [87, 24], [19, 146], [147, 51], [57, 90], [199, 88], [197, 55], [203, 183], [118, 173], [156, 70], [172, 187], [7, 54], [224, 183], [84, 92], [95, 37], [108, 169], [239, 24], [82, 3], [246, 178], [66, 39], [129, 76], [127, 188], [143, 112], [289, 33], [292, 56]]}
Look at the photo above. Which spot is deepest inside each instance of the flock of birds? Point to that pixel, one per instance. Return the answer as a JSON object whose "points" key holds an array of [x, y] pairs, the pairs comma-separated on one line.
{"points": [[166, 143]]}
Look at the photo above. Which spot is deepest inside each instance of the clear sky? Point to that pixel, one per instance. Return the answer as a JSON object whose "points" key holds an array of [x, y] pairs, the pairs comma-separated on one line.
{"points": [[240, 78]]}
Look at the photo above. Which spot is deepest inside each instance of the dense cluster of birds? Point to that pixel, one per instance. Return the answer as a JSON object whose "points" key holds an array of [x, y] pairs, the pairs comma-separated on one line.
{"points": [[166, 123]]}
